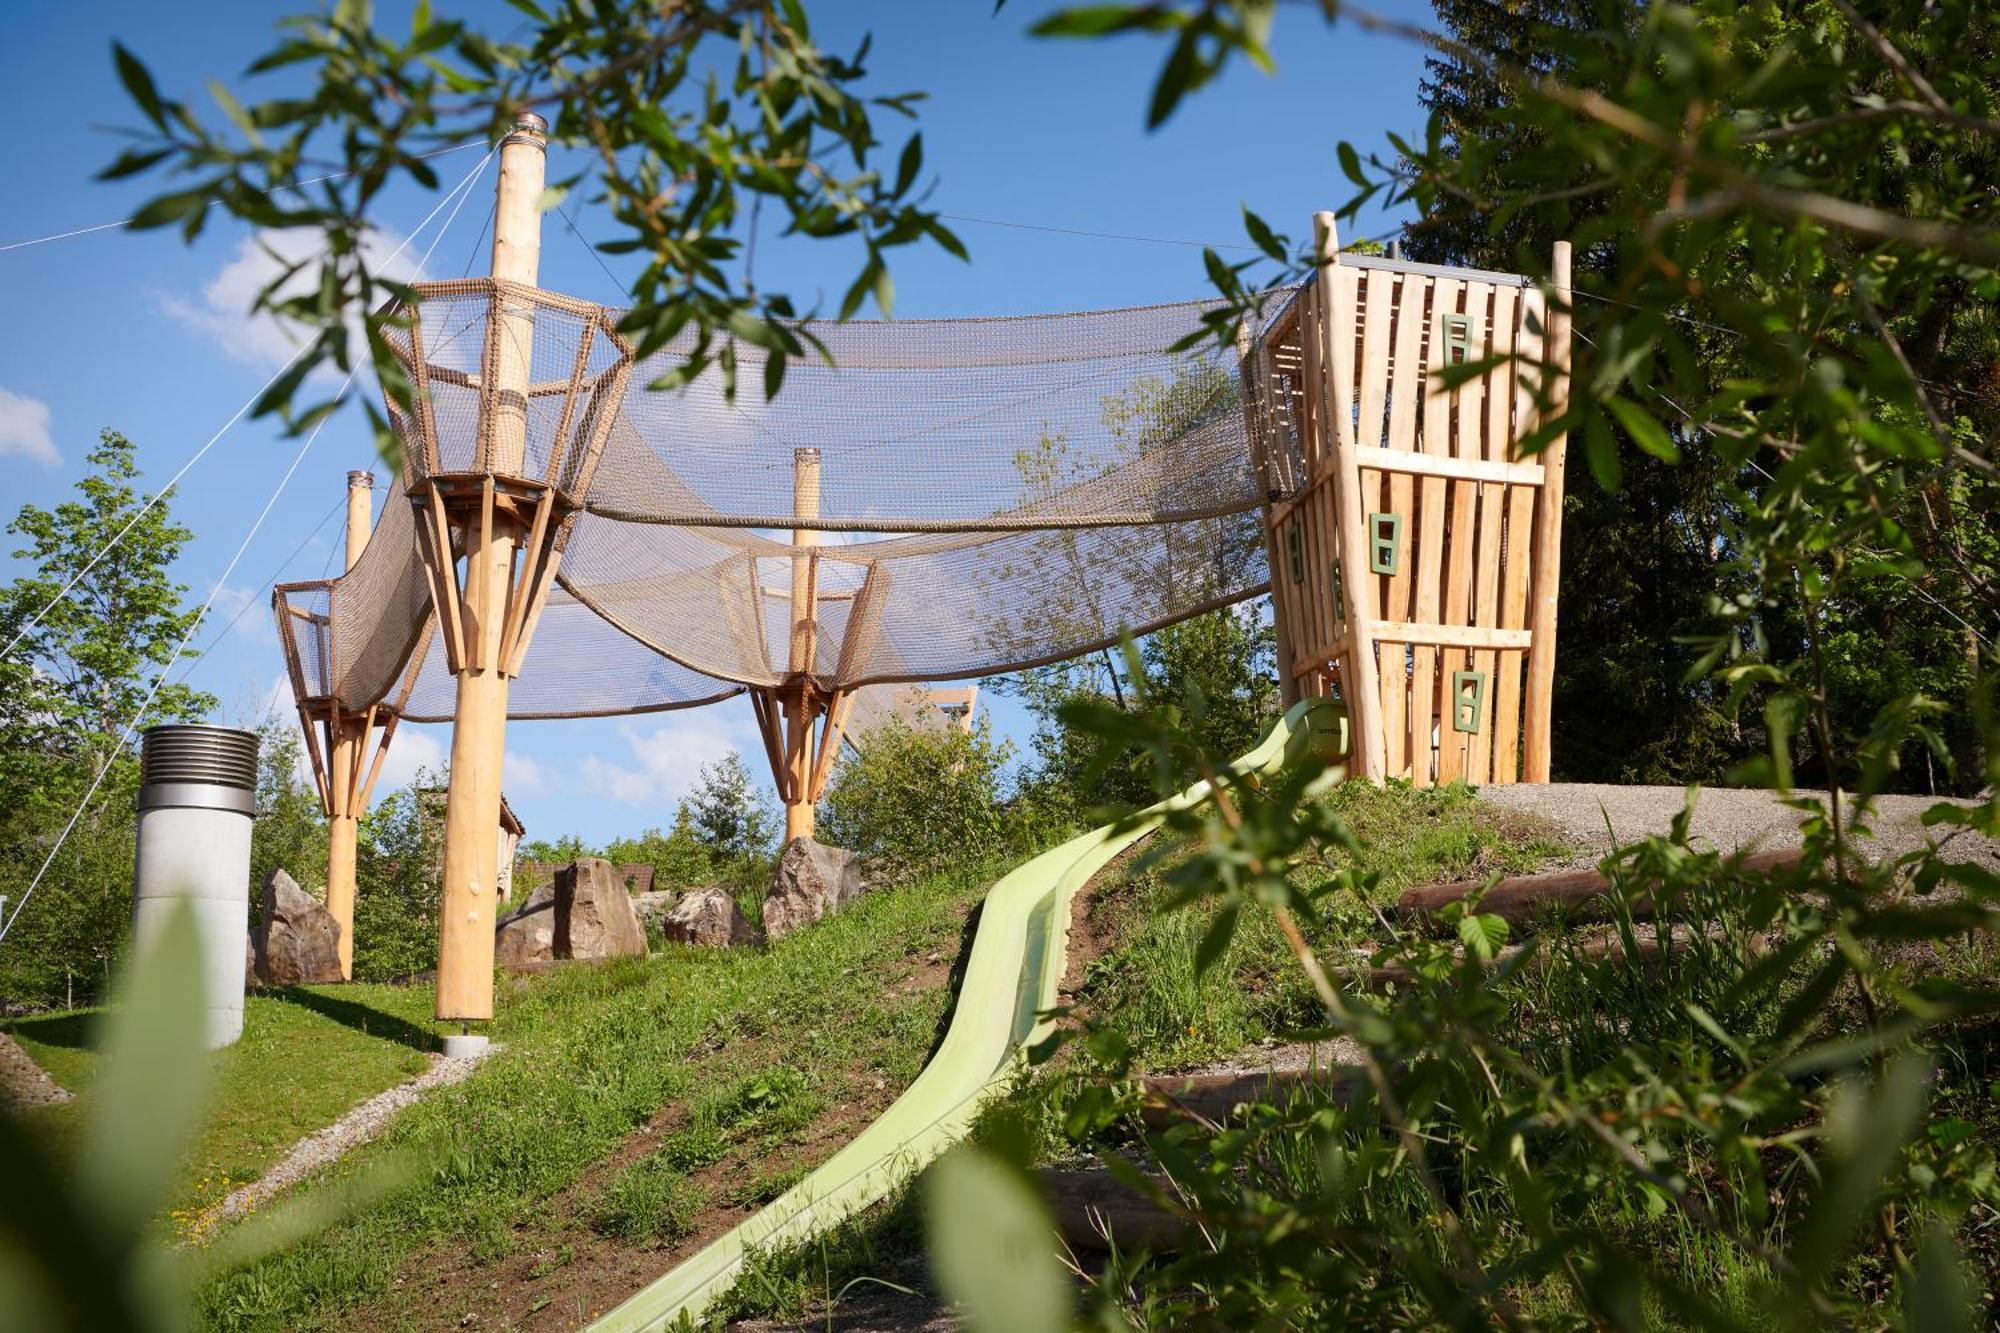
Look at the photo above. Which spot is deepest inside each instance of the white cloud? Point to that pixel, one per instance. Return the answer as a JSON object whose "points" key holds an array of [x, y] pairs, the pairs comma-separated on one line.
{"points": [[411, 749], [523, 776], [668, 756], [233, 604], [24, 428], [222, 311]]}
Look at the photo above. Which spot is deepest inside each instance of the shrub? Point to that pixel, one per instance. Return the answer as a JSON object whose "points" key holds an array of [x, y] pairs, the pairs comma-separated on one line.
{"points": [[915, 798]]}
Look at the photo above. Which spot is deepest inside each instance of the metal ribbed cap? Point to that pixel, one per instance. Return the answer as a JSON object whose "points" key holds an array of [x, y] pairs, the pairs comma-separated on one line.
{"points": [[185, 753]]}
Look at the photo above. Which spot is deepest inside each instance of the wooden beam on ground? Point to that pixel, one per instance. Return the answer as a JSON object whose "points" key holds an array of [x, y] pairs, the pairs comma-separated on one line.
{"points": [[1522, 898]]}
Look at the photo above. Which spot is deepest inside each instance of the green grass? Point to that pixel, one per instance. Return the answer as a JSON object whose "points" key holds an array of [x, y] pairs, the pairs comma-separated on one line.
{"points": [[1146, 983], [752, 1043], [308, 1054]]}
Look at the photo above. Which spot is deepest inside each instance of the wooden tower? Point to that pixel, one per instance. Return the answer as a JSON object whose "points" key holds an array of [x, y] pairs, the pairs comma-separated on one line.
{"points": [[1414, 549]]}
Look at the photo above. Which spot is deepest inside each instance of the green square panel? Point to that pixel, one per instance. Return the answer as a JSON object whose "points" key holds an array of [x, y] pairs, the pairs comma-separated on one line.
{"points": [[1468, 700], [1385, 543]]}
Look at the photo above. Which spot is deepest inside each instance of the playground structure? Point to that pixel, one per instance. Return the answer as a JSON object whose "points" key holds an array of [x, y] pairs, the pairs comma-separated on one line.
{"points": [[945, 500]]}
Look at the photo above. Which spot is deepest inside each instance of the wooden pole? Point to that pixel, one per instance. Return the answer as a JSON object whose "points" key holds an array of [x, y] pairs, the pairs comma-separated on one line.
{"points": [[799, 694], [491, 538], [349, 743], [1250, 355], [1360, 678], [1547, 577]]}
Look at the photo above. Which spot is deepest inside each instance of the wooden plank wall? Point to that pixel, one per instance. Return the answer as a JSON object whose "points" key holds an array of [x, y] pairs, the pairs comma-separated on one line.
{"points": [[1449, 510]]}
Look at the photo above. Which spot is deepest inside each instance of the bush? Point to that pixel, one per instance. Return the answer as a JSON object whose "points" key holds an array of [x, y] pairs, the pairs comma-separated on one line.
{"points": [[916, 798]]}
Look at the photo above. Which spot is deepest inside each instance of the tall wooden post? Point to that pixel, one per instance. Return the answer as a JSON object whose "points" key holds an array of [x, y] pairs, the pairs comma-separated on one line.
{"points": [[491, 536], [1360, 678], [800, 697], [348, 741], [1548, 532]]}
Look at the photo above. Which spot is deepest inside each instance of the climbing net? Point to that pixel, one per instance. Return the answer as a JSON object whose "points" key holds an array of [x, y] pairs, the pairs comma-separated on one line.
{"points": [[959, 498]]}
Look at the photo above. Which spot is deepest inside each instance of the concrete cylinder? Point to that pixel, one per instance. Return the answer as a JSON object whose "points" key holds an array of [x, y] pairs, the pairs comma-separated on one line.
{"points": [[197, 801]]}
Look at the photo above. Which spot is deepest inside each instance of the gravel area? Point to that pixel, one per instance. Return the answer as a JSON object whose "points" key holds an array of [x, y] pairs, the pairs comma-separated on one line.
{"points": [[1597, 816], [344, 1135], [23, 1082]]}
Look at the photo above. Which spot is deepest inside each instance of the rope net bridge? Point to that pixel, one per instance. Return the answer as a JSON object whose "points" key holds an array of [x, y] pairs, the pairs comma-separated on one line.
{"points": [[944, 500]]}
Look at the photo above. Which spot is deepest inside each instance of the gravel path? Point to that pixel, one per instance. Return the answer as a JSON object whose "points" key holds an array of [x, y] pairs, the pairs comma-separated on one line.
{"points": [[23, 1082], [1597, 815], [344, 1135]]}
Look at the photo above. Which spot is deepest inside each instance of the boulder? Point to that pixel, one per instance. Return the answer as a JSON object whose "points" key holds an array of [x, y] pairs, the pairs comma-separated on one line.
{"points": [[652, 908], [527, 935], [298, 942], [708, 917], [812, 881], [594, 916]]}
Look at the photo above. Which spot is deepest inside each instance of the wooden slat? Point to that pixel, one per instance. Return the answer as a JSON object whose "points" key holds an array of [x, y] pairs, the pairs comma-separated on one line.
{"points": [[1462, 532], [1548, 537], [1359, 677], [1514, 580], [1499, 404], [375, 769], [534, 558], [443, 571], [1429, 549], [1460, 469], [1450, 636]]}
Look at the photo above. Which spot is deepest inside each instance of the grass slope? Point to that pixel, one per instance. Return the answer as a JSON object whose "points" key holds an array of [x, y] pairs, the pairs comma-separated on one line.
{"points": [[308, 1054], [636, 1106]]}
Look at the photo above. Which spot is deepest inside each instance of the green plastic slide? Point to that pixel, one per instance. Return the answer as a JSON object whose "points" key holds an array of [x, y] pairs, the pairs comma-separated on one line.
{"points": [[1019, 954]]}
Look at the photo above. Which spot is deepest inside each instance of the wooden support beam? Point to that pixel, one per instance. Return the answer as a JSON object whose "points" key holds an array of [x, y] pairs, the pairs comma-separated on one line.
{"points": [[1522, 898], [347, 737], [802, 701], [1360, 676], [1546, 579], [469, 882]]}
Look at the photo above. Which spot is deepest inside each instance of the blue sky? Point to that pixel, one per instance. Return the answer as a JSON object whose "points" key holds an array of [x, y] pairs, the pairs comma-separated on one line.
{"points": [[143, 334]]}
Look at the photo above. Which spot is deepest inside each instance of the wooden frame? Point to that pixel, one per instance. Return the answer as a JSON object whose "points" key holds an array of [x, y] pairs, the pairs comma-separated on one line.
{"points": [[1460, 582]]}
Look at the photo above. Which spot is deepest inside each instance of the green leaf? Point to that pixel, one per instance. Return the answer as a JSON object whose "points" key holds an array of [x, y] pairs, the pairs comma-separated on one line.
{"points": [[1350, 164], [168, 208], [1262, 236], [992, 1246], [1483, 934], [911, 163], [147, 1097], [1098, 20], [133, 161], [1645, 429], [1939, 1299], [138, 82], [1215, 940]]}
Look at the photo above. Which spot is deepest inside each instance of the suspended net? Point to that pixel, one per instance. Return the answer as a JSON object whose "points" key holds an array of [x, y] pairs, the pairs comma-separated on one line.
{"points": [[987, 495]]}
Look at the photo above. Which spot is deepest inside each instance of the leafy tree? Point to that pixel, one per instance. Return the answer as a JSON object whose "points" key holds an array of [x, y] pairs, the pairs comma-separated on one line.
{"points": [[79, 674], [1227, 657], [679, 857], [290, 833], [400, 852], [917, 798], [696, 116], [729, 816], [69, 685]]}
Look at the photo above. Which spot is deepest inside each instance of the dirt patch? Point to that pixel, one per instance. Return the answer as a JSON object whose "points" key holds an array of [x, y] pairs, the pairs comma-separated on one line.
{"points": [[24, 1083], [560, 1272], [1093, 917], [873, 1308]]}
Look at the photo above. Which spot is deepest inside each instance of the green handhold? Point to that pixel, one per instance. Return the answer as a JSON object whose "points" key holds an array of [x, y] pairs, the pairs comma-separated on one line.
{"points": [[1295, 549], [1468, 700], [1457, 338], [1385, 542]]}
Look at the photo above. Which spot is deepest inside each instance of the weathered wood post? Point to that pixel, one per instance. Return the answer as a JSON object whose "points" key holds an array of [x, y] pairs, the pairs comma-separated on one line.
{"points": [[1548, 531], [801, 702], [491, 538], [1360, 679], [348, 744]]}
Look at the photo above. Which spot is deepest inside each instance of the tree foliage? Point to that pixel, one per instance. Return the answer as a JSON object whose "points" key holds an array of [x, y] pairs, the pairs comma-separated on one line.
{"points": [[694, 117], [915, 799], [70, 684]]}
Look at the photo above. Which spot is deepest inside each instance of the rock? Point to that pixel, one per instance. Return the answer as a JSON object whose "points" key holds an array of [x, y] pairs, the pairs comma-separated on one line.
{"points": [[812, 881], [298, 943], [653, 908], [594, 916], [708, 917], [527, 935]]}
